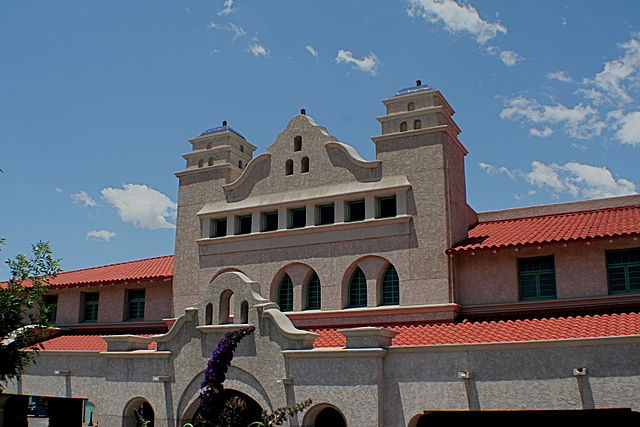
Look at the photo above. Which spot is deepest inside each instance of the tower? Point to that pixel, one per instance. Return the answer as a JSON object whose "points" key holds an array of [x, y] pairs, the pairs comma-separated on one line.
{"points": [[217, 157]]}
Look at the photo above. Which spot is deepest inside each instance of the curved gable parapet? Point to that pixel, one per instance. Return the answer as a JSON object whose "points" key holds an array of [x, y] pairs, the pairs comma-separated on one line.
{"points": [[257, 169], [300, 122], [344, 155]]}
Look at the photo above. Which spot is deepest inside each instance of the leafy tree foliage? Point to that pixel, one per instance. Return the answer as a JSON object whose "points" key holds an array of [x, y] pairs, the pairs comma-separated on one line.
{"points": [[23, 317]]}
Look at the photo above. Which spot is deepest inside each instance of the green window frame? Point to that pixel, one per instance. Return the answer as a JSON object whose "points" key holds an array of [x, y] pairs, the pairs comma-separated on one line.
{"points": [[357, 289], [270, 221], [355, 210], [326, 214], [285, 294], [135, 304], [623, 270], [297, 217], [537, 278], [218, 227], [244, 224], [51, 307], [386, 207], [91, 301], [313, 292], [390, 287]]}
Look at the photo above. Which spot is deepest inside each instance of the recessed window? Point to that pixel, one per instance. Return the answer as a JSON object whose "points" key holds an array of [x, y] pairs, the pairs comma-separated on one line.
{"points": [[51, 305], [297, 217], [355, 210], [240, 164], [242, 148], [390, 287], [219, 227], [297, 143], [90, 306], [244, 224], [304, 165], [411, 106], [357, 289], [386, 207], [326, 214], [270, 221], [417, 124], [403, 126], [313, 292], [135, 304], [623, 270], [210, 162], [288, 167], [537, 278], [285, 294], [200, 163]]}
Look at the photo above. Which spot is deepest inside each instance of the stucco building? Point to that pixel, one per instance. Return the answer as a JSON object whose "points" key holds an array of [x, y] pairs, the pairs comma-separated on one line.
{"points": [[375, 290]]}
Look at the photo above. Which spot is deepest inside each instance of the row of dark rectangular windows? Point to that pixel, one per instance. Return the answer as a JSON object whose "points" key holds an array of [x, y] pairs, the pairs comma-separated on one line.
{"points": [[538, 278], [355, 211], [90, 303]]}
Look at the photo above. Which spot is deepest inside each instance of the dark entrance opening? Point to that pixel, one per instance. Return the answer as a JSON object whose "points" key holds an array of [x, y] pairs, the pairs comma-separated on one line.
{"points": [[329, 417], [251, 410]]}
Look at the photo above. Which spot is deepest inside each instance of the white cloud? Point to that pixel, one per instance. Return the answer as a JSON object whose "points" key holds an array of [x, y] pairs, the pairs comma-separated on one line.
{"points": [[560, 76], [580, 122], [258, 49], [509, 58], [57, 190], [368, 64], [456, 18], [616, 73], [541, 133], [228, 8], [628, 126], [104, 235], [579, 180], [140, 205], [312, 50], [237, 30], [84, 198]]}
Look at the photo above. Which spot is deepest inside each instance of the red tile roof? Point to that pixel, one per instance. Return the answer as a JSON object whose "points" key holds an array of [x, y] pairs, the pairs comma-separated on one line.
{"points": [[587, 225], [144, 269], [81, 343], [554, 328]]}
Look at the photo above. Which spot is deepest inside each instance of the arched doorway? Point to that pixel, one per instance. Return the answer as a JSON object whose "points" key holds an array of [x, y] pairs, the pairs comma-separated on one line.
{"points": [[136, 410], [324, 415], [238, 408]]}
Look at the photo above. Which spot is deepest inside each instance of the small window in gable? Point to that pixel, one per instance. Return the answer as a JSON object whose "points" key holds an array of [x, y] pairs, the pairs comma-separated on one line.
{"points": [[403, 127], [200, 163], [210, 162], [209, 146], [411, 106], [297, 143], [417, 124], [288, 167], [304, 165], [240, 164], [242, 148]]}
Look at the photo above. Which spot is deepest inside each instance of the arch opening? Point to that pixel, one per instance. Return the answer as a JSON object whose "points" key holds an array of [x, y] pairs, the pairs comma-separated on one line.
{"points": [[226, 307], [251, 410], [137, 410], [357, 294], [288, 167], [285, 293]]}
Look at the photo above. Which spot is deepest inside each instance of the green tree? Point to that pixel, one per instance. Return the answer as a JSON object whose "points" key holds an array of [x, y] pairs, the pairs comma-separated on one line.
{"points": [[23, 317]]}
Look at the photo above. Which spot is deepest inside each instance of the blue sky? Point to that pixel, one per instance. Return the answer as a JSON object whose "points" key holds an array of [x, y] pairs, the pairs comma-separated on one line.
{"points": [[98, 100]]}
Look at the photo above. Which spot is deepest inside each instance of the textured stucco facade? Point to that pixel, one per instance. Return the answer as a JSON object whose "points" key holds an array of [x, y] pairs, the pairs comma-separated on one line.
{"points": [[230, 264]]}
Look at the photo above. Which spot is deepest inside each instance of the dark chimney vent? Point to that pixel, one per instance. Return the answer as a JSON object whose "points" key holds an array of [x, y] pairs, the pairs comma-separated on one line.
{"points": [[303, 111], [418, 82], [224, 123]]}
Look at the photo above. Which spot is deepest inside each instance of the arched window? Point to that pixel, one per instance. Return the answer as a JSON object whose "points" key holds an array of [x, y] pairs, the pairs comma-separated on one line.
{"points": [[411, 106], [403, 126], [208, 317], [390, 287], [285, 294], [138, 412], [357, 289], [226, 312], [330, 417], [304, 165], [244, 312], [242, 148], [288, 167], [417, 124], [297, 143], [210, 162], [240, 164], [313, 292], [200, 163]]}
